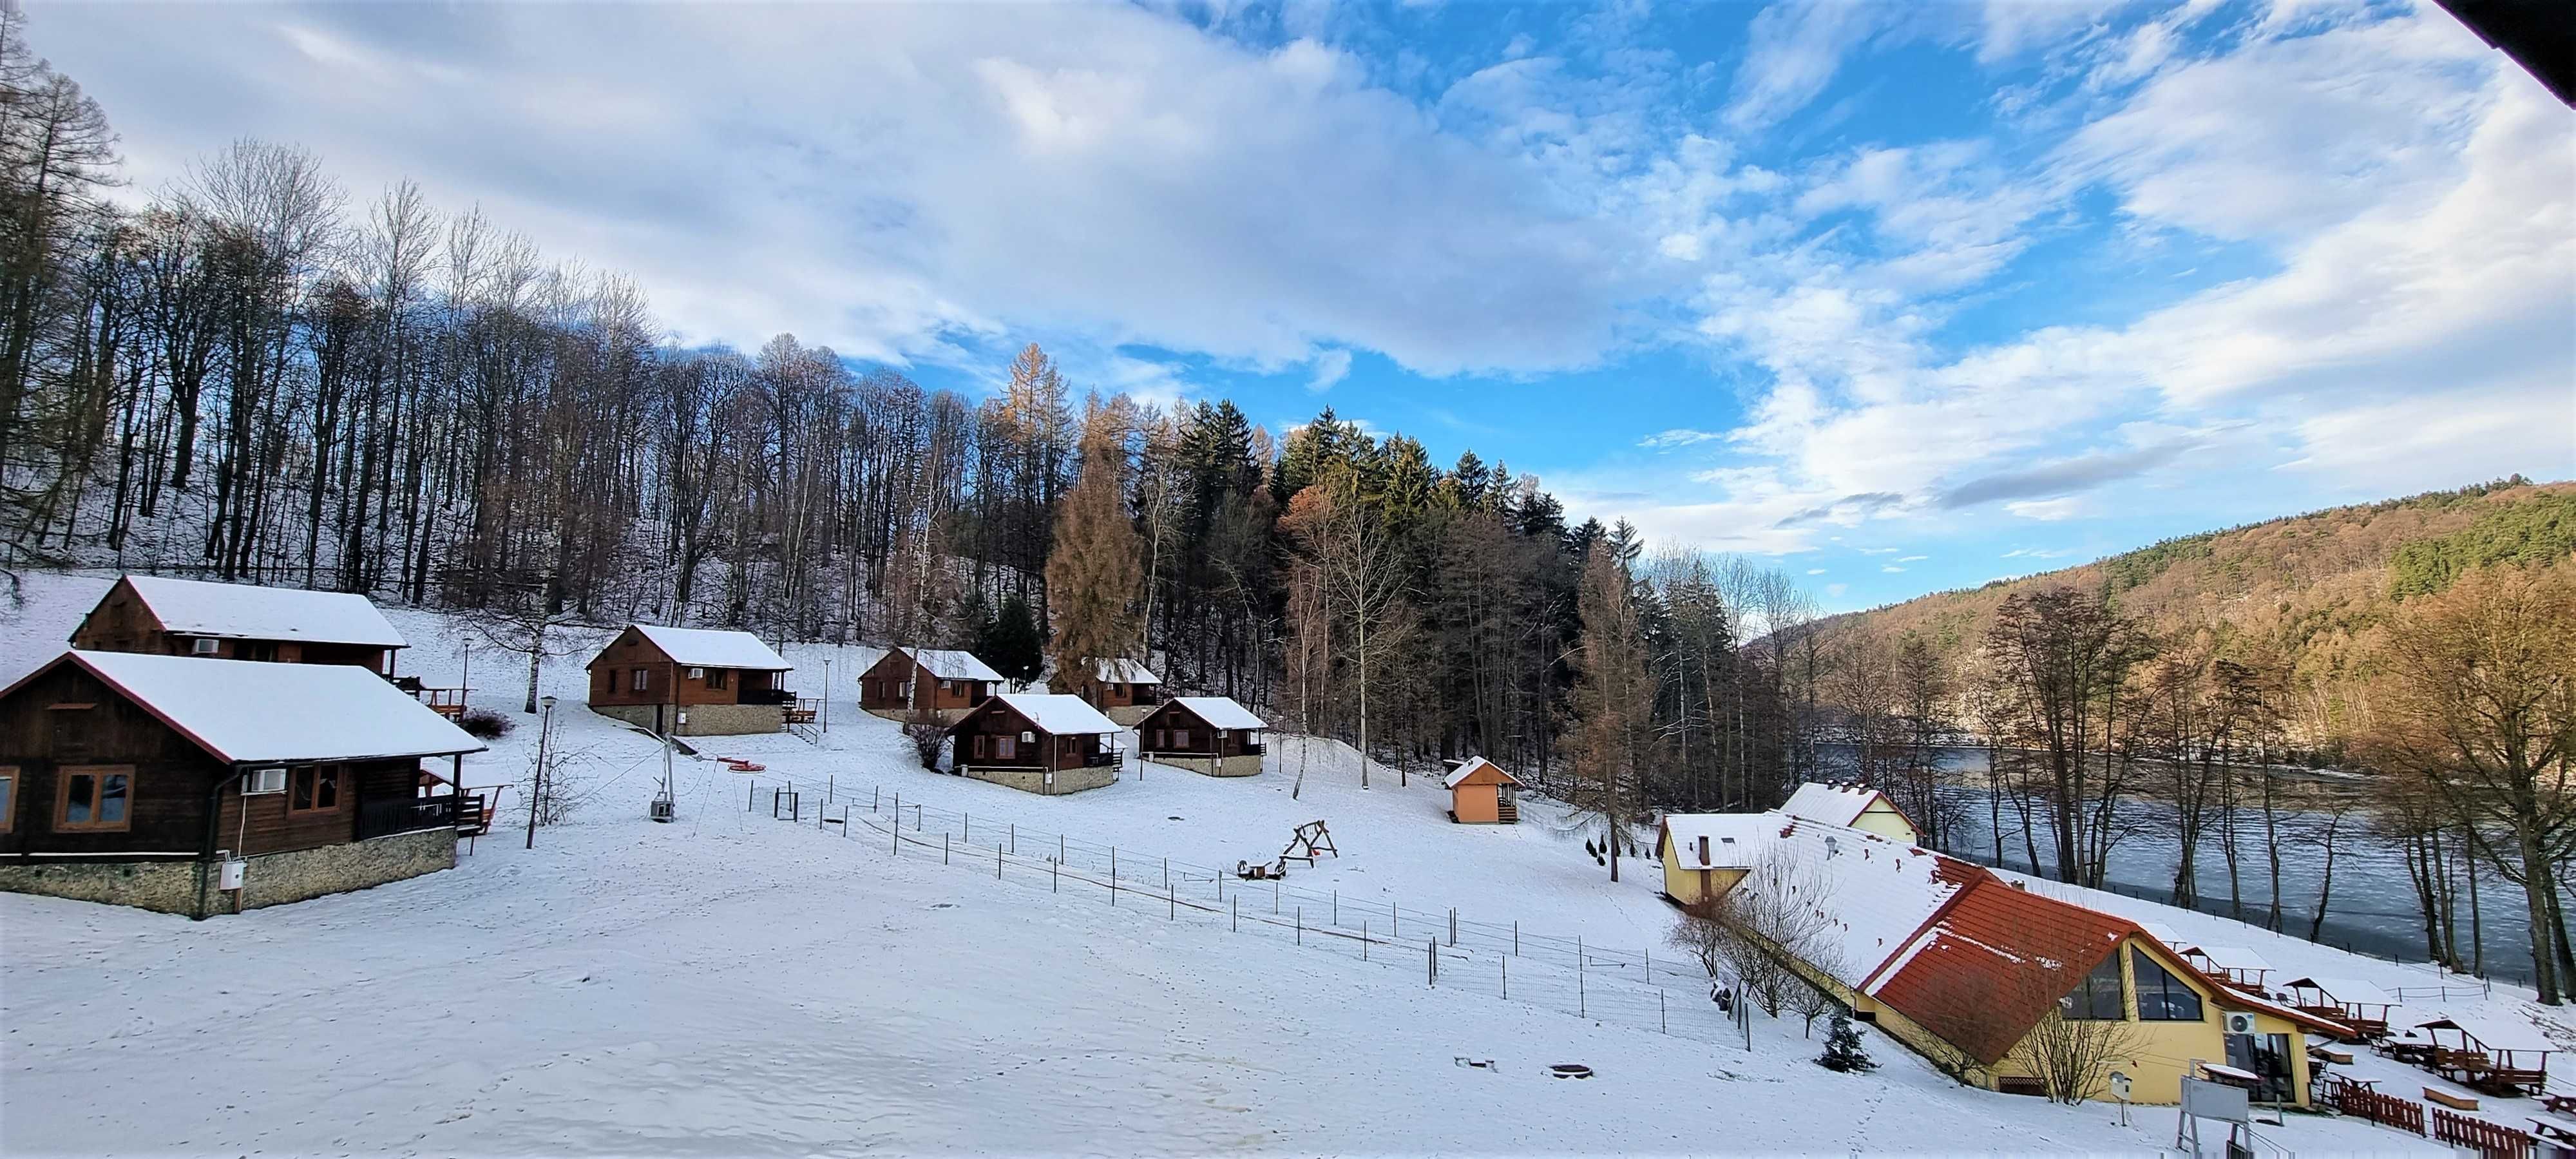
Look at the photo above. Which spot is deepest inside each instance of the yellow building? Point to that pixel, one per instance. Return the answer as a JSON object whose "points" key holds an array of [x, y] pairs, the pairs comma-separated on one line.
{"points": [[1704, 853], [1852, 807]]}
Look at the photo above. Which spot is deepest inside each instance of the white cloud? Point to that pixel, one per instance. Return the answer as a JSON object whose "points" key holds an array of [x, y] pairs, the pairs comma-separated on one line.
{"points": [[1911, 558], [1678, 437], [1815, 571], [1330, 367], [1890, 568], [2046, 510]]}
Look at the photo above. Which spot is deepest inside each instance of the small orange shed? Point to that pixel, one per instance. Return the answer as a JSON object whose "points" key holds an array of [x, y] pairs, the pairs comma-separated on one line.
{"points": [[1481, 794]]}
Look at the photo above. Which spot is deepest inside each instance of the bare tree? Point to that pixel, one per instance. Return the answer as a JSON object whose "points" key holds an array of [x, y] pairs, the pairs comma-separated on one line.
{"points": [[2072, 1056]]}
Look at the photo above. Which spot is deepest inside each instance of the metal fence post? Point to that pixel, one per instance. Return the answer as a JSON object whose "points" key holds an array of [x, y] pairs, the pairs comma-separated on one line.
{"points": [[1274, 897], [943, 847], [1337, 909], [1431, 958], [1394, 924], [1516, 937], [1015, 838], [1301, 925], [1051, 870], [876, 797], [969, 822], [831, 786], [1234, 915], [1660, 1021], [997, 863], [750, 795], [1453, 925], [1507, 977], [1364, 941]]}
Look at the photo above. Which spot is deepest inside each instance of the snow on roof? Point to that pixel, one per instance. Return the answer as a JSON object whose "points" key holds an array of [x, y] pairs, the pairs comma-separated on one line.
{"points": [[240, 611], [1220, 712], [1122, 672], [1831, 804], [2164, 933], [1058, 712], [2493, 1033], [244, 711], [1470, 767], [2231, 957], [1733, 838], [1987, 968], [1876, 892], [2347, 990], [714, 648], [951, 664]]}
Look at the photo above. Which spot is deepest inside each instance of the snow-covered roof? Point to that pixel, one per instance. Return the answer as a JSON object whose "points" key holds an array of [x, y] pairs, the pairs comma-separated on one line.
{"points": [[2347, 990], [1469, 767], [1122, 672], [2163, 933], [714, 648], [1733, 838], [1877, 893], [243, 612], [2231, 957], [1058, 713], [1220, 712], [244, 711], [1831, 804], [951, 664], [2493, 1033]]}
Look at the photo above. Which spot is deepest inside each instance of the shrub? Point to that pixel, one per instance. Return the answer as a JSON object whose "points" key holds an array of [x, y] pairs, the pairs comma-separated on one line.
{"points": [[927, 739], [486, 724]]}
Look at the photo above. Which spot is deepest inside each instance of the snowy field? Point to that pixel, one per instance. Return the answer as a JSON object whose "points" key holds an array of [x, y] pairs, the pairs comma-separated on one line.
{"points": [[736, 984]]}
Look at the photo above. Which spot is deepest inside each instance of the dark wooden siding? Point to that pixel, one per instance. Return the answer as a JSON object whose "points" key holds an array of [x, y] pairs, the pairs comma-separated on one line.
{"points": [[123, 623], [266, 823], [171, 776], [1159, 733], [882, 687], [612, 677], [1107, 694], [1045, 751]]}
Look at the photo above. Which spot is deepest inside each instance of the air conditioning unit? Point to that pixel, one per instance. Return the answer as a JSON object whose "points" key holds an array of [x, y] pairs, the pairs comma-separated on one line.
{"points": [[259, 781], [1028, 738], [2239, 1022], [201, 646]]}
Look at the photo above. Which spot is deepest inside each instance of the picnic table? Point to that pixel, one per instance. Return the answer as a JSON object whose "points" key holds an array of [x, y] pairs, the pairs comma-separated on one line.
{"points": [[2415, 1051], [2560, 1104], [2553, 1128]]}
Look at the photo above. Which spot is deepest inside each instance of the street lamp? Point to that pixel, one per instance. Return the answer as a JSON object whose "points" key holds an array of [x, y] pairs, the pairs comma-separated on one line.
{"points": [[537, 780]]}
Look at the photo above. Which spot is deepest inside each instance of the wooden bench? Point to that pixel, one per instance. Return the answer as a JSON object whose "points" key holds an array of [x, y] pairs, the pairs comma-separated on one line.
{"points": [[2446, 1098]]}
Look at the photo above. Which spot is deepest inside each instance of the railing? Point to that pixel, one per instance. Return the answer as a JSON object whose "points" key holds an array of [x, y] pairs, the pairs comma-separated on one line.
{"points": [[2361, 1102], [2492, 1140], [768, 696], [447, 702], [404, 815]]}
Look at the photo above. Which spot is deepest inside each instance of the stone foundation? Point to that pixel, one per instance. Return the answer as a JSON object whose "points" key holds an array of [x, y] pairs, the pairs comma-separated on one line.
{"points": [[1245, 765], [1129, 716], [704, 719], [171, 887], [1035, 780]]}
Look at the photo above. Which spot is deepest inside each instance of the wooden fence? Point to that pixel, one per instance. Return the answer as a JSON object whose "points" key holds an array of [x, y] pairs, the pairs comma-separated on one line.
{"points": [[2361, 1102], [2493, 1140]]}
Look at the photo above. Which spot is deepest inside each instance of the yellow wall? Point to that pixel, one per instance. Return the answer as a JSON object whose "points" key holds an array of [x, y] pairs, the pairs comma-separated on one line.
{"points": [[2163, 1052], [1691, 886], [1883, 819]]}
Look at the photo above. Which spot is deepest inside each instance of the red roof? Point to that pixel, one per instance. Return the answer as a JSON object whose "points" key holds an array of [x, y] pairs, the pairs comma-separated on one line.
{"points": [[1985, 971]]}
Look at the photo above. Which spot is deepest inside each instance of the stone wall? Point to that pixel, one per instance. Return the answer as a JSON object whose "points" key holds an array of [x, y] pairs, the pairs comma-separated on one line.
{"points": [[1129, 715], [1245, 765], [168, 887], [704, 719], [948, 716], [1034, 781], [273, 878]]}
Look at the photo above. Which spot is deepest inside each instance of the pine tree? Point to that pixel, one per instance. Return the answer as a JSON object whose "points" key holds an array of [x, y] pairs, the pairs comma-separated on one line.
{"points": [[1842, 1046], [1096, 573], [1012, 643]]}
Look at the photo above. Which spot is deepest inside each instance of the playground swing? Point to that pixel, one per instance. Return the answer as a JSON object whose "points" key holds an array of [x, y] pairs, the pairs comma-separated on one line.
{"points": [[1310, 837]]}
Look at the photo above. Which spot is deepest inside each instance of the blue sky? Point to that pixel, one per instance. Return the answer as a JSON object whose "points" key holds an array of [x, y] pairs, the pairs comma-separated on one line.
{"points": [[1907, 296]]}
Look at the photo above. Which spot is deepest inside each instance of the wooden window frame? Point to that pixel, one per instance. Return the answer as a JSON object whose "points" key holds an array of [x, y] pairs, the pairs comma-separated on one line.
{"points": [[302, 775], [643, 681], [63, 775], [1180, 740], [2173, 984], [717, 678], [1006, 748], [979, 746], [9, 797]]}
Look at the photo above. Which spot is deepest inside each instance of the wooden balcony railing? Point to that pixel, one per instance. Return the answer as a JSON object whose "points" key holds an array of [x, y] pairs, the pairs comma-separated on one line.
{"points": [[391, 815]]}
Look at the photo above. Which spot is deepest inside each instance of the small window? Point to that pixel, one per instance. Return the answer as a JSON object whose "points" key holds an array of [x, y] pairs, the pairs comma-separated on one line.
{"points": [[643, 680], [95, 798], [8, 797], [2163, 997], [2100, 996], [1006, 747], [697, 673], [1158, 738], [979, 745], [716, 677], [202, 646], [317, 790], [1181, 739], [948, 686]]}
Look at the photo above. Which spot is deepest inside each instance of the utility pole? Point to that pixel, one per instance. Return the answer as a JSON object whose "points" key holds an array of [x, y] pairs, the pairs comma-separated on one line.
{"points": [[537, 780]]}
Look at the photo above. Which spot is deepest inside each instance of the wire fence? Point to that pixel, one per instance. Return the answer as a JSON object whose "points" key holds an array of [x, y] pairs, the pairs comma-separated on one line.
{"points": [[1443, 948]]}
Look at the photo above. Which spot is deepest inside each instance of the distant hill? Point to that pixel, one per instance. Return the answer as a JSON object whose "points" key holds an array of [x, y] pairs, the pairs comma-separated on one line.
{"points": [[2303, 589]]}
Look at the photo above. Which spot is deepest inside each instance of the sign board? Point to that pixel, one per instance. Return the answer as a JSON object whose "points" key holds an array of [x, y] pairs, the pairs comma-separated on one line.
{"points": [[2208, 1100], [2120, 1085]]}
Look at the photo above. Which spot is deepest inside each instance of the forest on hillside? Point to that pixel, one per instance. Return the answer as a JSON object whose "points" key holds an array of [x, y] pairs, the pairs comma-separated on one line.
{"points": [[255, 374]]}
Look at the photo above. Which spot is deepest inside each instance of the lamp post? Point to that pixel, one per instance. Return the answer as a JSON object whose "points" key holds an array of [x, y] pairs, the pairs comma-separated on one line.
{"points": [[537, 780], [825, 703]]}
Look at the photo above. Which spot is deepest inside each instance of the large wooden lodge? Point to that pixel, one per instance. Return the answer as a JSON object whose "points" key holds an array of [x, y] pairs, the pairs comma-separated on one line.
{"points": [[201, 786]]}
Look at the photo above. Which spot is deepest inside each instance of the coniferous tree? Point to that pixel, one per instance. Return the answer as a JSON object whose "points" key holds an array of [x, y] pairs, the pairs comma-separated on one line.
{"points": [[1843, 1051], [1011, 643], [1096, 572], [1611, 709]]}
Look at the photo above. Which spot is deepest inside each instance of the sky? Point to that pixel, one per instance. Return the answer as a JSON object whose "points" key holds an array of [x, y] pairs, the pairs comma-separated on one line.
{"points": [[1905, 296]]}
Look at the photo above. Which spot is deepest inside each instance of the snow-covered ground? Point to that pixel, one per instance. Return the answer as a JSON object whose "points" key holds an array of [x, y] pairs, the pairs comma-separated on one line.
{"points": [[736, 984]]}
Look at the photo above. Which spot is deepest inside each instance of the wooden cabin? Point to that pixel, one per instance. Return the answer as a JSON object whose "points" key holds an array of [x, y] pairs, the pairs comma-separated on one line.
{"points": [[200, 786], [2506, 1057], [1480, 793], [176, 617], [1853, 807], [1204, 734], [2363, 1006], [1037, 742], [946, 681], [1123, 690], [691, 682]]}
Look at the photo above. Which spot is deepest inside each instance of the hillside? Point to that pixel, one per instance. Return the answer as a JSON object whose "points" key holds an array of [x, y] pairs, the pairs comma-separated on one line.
{"points": [[2304, 589]]}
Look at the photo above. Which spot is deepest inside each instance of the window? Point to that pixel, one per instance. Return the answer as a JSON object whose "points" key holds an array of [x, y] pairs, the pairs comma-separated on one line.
{"points": [[261, 650], [2098, 998], [2163, 997], [317, 790], [716, 677], [1006, 747], [8, 797], [1181, 739], [947, 686], [1158, 740], [97, 798], [643, 680], [979, 746], [202, 646]]}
